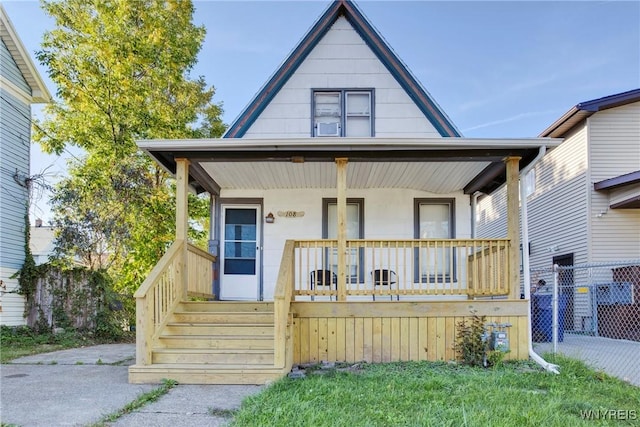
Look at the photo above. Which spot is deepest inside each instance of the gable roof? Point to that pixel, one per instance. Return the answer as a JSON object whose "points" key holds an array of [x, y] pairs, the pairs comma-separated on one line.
{"points": [[8, 34], [585, 109], [376, 43]]}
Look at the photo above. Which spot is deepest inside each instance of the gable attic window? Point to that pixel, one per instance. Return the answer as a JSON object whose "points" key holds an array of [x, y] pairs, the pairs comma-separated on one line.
{"points": [[343, 112]]}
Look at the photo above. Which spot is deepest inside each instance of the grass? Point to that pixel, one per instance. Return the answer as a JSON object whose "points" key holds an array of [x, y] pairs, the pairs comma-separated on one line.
{"points": [[439, 394], [23, 341], [139, 402]]}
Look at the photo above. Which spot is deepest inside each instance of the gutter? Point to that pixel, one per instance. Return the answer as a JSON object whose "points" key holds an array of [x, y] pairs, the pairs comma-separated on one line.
{"points": [[526, 274], [474, 208]]}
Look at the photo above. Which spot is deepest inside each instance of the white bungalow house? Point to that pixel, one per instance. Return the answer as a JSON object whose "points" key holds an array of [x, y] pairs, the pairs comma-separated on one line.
{"points": [[341, 224], [20, 87]]}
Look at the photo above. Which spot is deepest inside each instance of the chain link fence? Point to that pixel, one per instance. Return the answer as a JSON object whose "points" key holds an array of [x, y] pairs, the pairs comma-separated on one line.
{"points": [[590, 312]]}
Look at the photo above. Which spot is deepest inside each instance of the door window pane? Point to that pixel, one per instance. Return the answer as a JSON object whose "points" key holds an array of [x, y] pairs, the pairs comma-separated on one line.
{"points": [[240, 216], [240, 232], [239, 266], [240, 241], [239, 249]]}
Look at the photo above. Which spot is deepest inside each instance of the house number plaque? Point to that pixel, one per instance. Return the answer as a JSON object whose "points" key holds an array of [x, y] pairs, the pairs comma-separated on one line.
{"points": [[291, 214]]}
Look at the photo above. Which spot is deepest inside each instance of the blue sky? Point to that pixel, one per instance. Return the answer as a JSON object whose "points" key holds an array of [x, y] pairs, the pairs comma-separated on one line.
{"points": [[498, 69]]}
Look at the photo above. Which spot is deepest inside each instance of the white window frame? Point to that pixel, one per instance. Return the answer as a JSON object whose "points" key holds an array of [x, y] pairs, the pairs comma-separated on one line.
{"points": [[442, 276], [353, 277], [342, 115], [530, 183]]}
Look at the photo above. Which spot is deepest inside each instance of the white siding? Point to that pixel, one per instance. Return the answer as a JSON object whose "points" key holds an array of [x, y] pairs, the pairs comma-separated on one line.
{"points": [[491, 215], [615, 150], [11, 304], [14, 159], [9, 69], [557, 209], [388, 214], [15, 137], [341, 60]]}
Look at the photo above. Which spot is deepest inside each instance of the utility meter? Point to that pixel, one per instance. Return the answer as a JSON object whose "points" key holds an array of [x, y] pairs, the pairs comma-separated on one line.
{"points": [[499, 341], [499, 337]]}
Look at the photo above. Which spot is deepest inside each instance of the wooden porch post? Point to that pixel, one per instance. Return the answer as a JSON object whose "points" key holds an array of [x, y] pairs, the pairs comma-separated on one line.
{"points": [[182, 219], [341, 207], [513, 225]]}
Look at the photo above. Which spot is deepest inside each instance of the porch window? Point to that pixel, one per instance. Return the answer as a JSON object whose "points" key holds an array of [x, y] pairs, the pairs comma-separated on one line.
{"points": [[434, 219], [530, 183], [355, 230], [342, 113]]}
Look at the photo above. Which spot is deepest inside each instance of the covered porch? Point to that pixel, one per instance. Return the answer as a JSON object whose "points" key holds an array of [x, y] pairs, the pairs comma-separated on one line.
{"points": [[341, 298]]}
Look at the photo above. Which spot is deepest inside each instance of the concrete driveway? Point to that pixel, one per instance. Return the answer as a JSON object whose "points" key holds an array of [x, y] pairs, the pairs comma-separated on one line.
{"points": [[79, 387]]}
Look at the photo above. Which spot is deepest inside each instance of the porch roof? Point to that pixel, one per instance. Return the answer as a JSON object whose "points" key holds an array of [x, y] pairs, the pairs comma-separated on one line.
{"points": [[438, 165]]}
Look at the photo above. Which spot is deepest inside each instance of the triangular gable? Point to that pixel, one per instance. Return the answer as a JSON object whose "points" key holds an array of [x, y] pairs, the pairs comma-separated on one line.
{"points": [[374, 41], [8, 34]]}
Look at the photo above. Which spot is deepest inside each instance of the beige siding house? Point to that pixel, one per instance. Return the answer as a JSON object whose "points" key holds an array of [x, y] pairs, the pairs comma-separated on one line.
{"points": [[584, 196]]}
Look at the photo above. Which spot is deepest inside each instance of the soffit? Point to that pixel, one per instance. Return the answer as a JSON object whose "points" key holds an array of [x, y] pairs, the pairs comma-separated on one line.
{"points": [[435, 177]]}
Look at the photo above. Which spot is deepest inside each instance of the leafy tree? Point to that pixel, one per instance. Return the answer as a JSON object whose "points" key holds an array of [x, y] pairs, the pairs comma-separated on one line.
{"points": [[122, 71]]}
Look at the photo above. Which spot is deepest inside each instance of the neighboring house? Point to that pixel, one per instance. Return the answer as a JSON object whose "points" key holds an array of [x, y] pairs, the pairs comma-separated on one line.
{"points": [[20, 87], [583, 197], [341, 224], [41, 242]]}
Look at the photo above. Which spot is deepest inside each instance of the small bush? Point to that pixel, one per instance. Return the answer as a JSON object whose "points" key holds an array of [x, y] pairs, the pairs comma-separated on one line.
{"points": [[472, 344]]}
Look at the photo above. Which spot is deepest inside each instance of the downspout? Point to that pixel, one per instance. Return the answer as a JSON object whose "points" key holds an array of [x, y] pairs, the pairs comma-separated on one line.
{"points": [[526, 274], [474, 207]]}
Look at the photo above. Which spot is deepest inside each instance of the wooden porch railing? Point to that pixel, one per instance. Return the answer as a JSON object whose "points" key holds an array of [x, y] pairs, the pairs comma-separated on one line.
{"points": [[283, 343], [163, 290], [200, 272], [393, 268], [488, 269]]}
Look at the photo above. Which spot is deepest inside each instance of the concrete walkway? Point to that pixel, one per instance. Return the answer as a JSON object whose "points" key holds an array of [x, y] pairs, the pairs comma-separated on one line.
{"points": [[78, 387], [619, 358]]}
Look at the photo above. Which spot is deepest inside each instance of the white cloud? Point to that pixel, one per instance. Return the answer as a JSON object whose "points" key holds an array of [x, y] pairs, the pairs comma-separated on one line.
{"points": [[517, 117]]}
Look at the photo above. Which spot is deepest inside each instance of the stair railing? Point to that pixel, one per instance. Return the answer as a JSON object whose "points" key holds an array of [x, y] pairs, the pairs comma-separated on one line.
{"points": [[157, 297], [283, 342]]}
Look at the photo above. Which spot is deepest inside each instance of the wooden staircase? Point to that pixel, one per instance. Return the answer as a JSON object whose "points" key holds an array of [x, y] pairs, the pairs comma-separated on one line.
{"points": [[214, 343]]}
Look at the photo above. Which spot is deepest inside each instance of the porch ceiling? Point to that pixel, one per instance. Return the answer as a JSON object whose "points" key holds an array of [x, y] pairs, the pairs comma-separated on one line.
{"points": [[438, 165], [433, 177]]}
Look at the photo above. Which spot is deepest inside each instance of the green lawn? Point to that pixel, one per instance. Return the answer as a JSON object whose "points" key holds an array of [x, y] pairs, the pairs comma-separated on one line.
{"points": [[439, 394], [22, 341]]}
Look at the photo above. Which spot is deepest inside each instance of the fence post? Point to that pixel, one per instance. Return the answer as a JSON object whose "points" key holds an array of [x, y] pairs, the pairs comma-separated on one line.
{"points": [[554, 309]]}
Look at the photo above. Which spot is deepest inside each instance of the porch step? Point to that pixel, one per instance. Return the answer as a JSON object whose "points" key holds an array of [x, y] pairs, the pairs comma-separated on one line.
{"points": [[247, 330], [203, 374], [221, 358], [214, 343], [226, 306], [222, 317], [232, 342]]}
